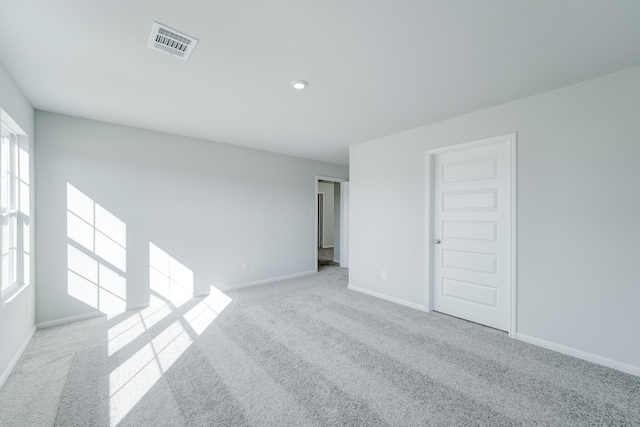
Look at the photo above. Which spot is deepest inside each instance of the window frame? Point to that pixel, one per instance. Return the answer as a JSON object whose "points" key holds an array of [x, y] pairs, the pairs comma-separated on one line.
{"points": [[18, 282]]}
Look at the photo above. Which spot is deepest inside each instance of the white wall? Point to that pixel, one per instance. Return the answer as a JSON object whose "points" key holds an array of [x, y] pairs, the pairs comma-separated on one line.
{"points": [[210, 206], [578, 213], [16, 325], [328, 212]]}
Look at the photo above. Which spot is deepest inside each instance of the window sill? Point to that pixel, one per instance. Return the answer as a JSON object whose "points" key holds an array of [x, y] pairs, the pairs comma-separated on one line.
{"points": [[12, 293]]}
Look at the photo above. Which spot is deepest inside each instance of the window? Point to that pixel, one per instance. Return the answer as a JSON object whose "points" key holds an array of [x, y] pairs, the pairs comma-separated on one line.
{"points": [[15, 262], [8, 202]]}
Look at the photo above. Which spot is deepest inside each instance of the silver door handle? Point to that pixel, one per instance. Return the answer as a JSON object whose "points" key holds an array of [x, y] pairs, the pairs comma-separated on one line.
{"points": [[437, 241]]}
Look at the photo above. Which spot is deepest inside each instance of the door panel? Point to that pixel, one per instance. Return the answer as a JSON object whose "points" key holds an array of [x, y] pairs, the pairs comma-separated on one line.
{"points": [[470, 230], [472, 221], [470, 292], [467, 171], [472, 261], [468, 201]]}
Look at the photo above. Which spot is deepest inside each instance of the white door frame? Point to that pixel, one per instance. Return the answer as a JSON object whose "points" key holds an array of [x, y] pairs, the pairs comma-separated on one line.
{"points": [[344, 224], [429, 237], [315, 216], [318, 245]]}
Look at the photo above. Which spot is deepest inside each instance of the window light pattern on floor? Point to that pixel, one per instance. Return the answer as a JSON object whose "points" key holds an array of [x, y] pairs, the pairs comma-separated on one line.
{"points": [[129, 382], [171, 285]]}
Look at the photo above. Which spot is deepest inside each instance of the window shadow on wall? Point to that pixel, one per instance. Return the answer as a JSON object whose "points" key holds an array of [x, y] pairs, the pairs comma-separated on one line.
{"points": [[96, 254]]}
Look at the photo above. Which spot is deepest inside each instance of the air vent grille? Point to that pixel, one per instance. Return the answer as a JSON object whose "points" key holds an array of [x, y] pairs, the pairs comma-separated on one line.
{"points": [[172, 42]]}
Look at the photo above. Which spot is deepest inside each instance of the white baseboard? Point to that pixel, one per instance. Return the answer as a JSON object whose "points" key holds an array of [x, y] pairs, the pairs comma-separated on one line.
{"points": [[137, 306], [16, 358], [70, 319], [327, 247], [202, 294], [271, 280], [580, 354], [406, 303]]}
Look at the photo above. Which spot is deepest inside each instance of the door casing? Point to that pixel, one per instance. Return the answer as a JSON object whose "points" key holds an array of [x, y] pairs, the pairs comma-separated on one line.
{"points": [[320, 220], [511, 139]]}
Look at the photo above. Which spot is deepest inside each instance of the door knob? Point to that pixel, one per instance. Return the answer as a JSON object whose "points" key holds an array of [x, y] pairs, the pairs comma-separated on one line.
{"points": [[437, 241]]}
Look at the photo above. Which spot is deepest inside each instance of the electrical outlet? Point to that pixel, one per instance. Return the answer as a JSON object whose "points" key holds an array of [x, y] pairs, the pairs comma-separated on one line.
{"points": [[383, 275], [245, 266]]}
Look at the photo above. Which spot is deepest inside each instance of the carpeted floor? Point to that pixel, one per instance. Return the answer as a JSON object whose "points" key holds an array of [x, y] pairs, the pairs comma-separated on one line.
{"points": [[306, 352]]}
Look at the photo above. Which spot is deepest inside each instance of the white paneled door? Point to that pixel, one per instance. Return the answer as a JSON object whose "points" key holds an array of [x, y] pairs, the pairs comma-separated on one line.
{"points": [[472, 233]]}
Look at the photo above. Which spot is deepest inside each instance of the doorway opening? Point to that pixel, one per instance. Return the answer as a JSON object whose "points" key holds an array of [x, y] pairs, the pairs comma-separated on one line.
{"points": [[330, 224], [327, 206]]}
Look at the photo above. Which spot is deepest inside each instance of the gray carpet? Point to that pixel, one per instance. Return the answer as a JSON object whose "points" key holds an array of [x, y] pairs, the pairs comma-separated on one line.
{"points": [[306, 352]]}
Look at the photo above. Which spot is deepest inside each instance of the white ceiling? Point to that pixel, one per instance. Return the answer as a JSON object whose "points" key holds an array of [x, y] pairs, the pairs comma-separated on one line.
{"points": [[374, 67]]}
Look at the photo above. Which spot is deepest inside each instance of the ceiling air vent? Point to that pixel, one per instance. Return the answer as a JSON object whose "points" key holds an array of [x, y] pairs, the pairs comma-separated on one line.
{"points": [[171, 41]]}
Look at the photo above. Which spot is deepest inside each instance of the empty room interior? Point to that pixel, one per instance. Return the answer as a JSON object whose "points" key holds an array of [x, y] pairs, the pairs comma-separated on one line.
{"points": [[305, 213]]}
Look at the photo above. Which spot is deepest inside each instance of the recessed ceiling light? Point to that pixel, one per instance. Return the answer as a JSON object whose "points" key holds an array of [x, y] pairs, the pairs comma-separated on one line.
{"points": [[299, 84]]}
